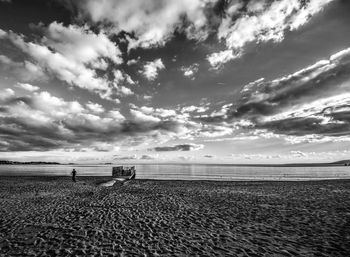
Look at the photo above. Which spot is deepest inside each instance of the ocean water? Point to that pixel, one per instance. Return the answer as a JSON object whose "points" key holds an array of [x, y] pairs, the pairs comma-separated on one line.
{"points": [[187, 172]]}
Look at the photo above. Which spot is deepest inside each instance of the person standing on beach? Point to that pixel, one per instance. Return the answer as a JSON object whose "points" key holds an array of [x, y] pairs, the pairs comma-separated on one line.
{"points": [[74, 174]]}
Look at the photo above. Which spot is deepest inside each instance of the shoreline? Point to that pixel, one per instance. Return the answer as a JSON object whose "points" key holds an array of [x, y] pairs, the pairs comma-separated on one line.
{"points": [[278, 165], [108, 178], [191, 172]]}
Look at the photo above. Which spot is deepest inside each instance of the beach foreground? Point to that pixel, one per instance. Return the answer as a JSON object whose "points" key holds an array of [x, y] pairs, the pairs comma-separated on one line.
{"points": [[52, 216]]}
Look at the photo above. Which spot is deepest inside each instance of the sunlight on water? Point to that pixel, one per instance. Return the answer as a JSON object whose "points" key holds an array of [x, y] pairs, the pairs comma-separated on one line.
{"points": [[197, 172]]}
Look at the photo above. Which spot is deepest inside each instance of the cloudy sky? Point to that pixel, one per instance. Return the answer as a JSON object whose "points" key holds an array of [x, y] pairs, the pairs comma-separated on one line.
{"points": [[194, 81]]}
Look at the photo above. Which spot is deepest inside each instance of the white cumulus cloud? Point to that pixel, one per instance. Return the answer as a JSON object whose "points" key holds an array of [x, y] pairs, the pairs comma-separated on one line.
{"points": [[27, 87], [151, 69]]}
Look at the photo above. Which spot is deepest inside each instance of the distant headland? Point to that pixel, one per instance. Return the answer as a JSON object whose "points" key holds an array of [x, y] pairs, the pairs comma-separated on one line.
{"points": [[5, 162]]}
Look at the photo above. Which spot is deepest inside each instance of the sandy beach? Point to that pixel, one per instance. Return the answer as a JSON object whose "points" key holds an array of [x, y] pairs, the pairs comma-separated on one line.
{"points": [[51, 216]]}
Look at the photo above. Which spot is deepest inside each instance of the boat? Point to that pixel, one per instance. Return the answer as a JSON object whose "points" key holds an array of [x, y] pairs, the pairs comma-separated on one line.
{"points": [[122, 173]]}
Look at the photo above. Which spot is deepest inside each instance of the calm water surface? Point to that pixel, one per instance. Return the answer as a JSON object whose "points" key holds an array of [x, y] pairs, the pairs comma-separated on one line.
{"points": [[193, 172]]}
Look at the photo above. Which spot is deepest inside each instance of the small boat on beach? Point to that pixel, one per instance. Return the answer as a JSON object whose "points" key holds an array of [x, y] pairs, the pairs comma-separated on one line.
{"points": [[122, 173]]}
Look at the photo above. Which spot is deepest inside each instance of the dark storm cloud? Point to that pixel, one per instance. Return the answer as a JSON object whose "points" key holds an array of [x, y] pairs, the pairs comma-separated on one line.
{"points": [[314, 100], [182, 147], [319, 80], [43, 122], [22, 136], [301, 126]]}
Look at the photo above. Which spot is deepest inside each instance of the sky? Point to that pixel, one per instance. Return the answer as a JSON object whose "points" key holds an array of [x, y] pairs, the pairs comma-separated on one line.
{"points": [[175, 81]]}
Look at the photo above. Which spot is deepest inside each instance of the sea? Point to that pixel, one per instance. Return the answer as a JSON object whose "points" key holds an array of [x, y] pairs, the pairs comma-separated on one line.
{"points": [[187, 171]]}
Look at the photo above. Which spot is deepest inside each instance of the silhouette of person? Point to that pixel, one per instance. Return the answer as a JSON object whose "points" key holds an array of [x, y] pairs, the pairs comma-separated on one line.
{"points": [[74, 174]]}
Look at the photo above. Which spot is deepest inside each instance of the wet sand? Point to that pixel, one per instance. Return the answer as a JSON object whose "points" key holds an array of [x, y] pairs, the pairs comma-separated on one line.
{"points": [[52, 216]]}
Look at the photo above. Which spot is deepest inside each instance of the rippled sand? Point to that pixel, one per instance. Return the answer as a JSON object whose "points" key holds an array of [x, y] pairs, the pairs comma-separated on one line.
{"points": [[53, 216]]}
